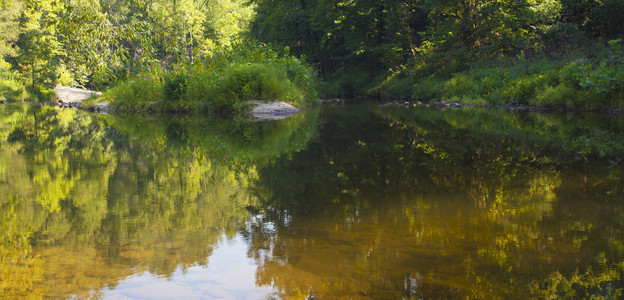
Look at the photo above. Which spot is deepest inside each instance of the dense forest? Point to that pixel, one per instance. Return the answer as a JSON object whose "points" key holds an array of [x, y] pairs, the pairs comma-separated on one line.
{"points": [[557, 53]]}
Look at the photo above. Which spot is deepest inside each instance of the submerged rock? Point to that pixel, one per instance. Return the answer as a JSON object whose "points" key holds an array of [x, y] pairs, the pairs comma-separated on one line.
{"points": [[102, 107], [333, 102], [275, 110]]}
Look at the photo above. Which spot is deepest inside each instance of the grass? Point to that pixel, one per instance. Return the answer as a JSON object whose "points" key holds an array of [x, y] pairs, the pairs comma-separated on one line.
{"points": [[90, 102], [221, 84], [573, 81], [137, 94]]}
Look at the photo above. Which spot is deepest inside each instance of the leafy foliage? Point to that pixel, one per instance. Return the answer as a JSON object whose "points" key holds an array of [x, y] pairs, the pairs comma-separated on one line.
{"points": [[574, 81], [359, 44], [221, 83], [355, 45], [351, 42], [9, 27], [98, 43]]}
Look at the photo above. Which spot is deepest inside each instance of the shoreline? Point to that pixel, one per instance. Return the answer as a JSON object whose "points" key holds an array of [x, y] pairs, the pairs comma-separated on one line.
{"points": [[443, 104]]}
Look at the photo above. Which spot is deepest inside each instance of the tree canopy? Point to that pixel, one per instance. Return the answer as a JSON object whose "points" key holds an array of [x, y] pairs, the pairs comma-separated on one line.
{"points": [[95, 43], [355, 45]]}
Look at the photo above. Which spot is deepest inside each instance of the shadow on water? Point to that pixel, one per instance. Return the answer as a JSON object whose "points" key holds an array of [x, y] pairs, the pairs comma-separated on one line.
{"points": [[354, 202], [396, 203]]}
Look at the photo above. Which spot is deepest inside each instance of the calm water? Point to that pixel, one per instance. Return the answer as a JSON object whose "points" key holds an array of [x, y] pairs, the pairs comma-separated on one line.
{"points": [[355, 202]]}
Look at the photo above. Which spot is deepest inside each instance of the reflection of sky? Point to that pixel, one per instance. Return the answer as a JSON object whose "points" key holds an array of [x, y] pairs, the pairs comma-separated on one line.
{"points": [[230, 274]]}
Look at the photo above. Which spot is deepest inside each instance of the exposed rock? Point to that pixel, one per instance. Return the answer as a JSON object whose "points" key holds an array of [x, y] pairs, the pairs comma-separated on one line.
{"points": [[272, 110], [73, 96]]}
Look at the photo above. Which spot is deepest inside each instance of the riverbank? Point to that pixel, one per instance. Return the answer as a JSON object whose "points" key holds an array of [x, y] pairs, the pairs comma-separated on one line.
{"points": [[223, 84], [88, 100], [588, 80], [444, 104]]}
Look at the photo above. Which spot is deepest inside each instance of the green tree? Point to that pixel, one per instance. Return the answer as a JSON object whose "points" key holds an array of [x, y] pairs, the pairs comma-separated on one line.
{"points": [[98, 40], [352, 42], [40, 51], [9, 27], [486, 28], [225, 21], [596, 18]]}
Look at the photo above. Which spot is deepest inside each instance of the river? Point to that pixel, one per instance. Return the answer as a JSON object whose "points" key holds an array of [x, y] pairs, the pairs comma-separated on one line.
{"points": [[353, 202]]}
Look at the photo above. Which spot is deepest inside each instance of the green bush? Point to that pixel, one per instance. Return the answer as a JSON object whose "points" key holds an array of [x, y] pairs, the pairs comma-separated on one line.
{"points": [[42, 94], [175, 86], [140, 93], [11, 89], [561, 96], [574, 80], [302, 78], [255, 82], [222, 83], [459, 85], [242, 82], [427, 89]]}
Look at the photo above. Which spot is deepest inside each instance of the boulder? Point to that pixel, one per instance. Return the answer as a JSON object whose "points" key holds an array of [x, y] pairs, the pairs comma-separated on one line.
{"points": [[275, 110]]}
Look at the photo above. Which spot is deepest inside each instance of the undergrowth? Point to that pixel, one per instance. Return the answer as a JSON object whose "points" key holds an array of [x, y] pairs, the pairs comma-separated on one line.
{"points": [[578, 80], [220, 83], [14, 89]]}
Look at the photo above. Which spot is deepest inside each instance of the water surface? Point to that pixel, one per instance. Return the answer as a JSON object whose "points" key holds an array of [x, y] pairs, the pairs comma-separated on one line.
{"points": [[348, 202]]}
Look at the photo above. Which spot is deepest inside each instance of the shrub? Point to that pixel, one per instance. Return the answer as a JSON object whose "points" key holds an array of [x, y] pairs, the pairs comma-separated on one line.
{"points": [[559, 96], [175, 86], [242, 82], [136, 94], [11, 89], [459, 85], [570, 80], [428, 89], [220, 83], [42, 94]]}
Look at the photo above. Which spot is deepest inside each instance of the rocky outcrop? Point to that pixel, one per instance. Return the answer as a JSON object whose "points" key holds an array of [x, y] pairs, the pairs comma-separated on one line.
{"points": [[73, 96], [275, 110]]}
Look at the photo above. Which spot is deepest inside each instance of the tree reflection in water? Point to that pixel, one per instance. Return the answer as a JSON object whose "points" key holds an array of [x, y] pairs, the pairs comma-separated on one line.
{"points": [[350, 202], [470, 204], [95, 199]]}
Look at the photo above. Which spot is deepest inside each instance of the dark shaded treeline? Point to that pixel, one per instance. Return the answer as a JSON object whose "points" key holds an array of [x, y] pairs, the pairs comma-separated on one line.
{"points": [[357, 44], [397, 203]]}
